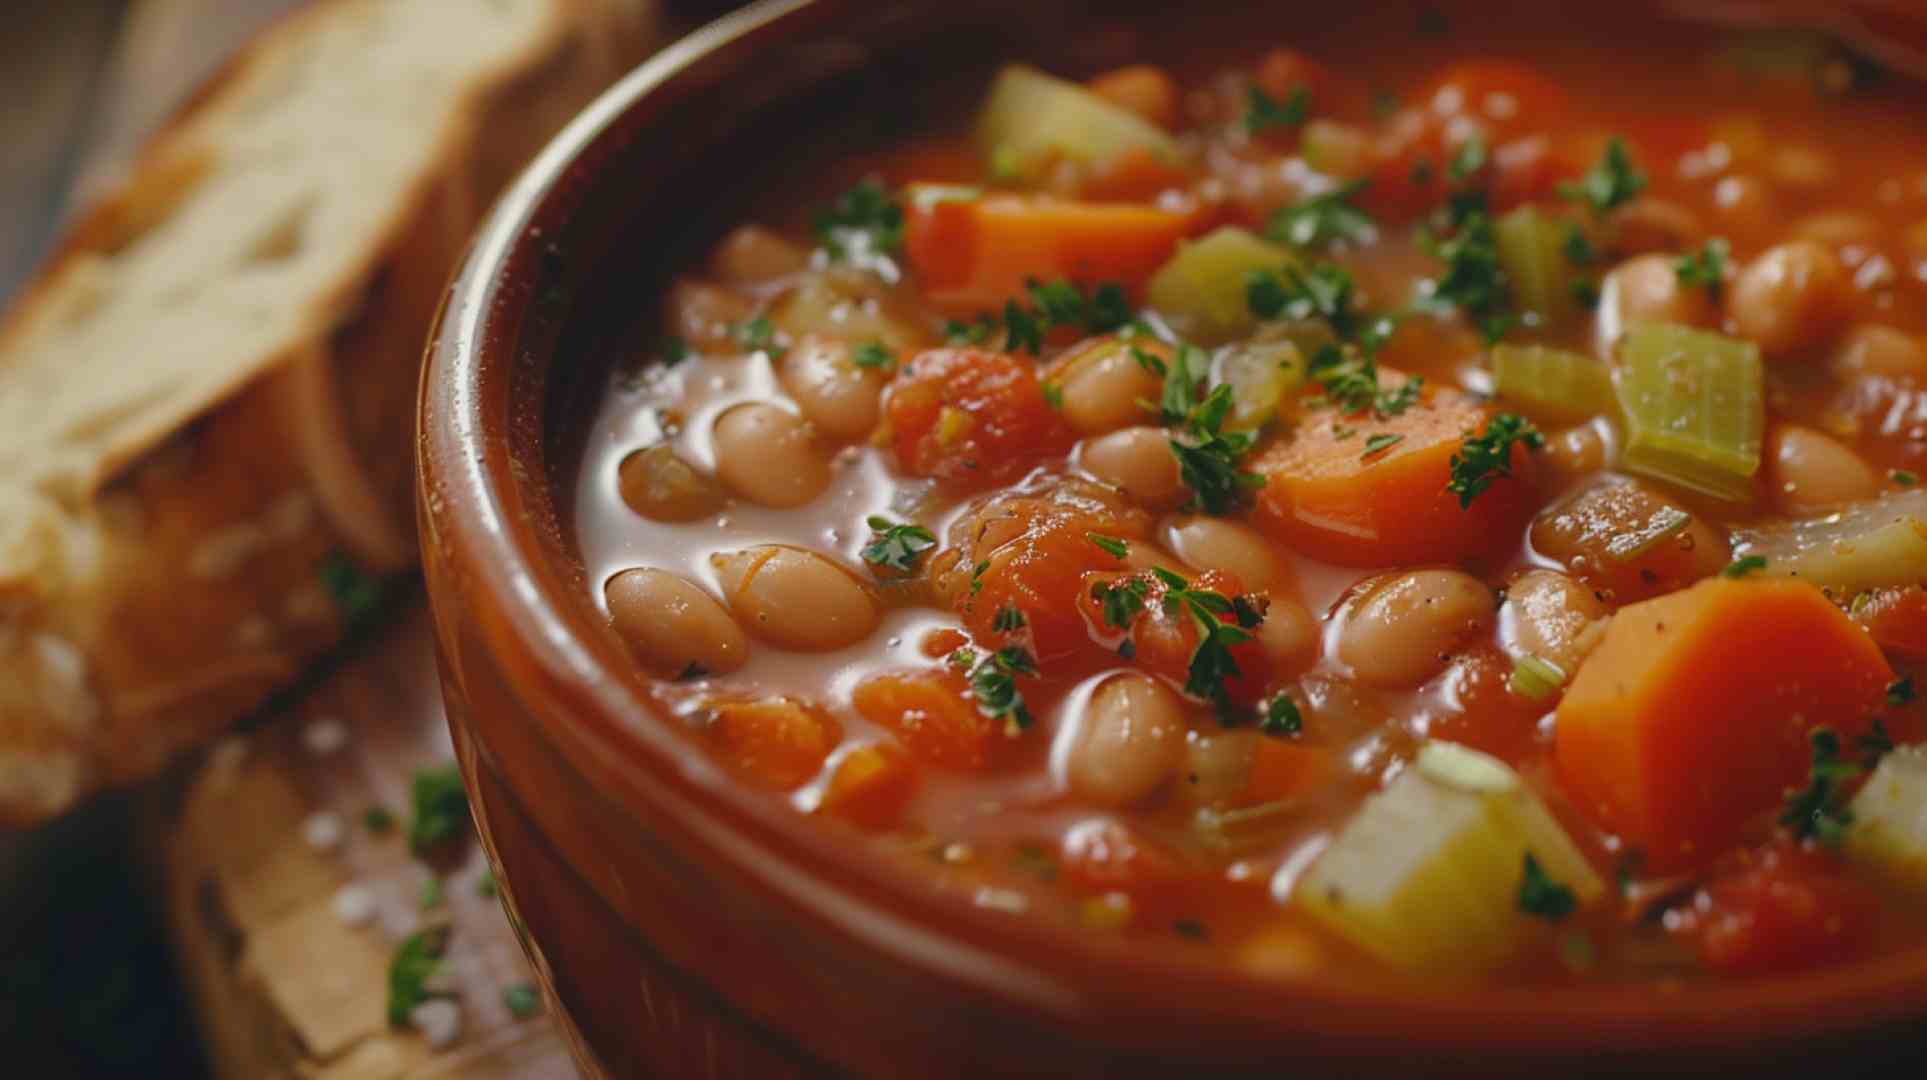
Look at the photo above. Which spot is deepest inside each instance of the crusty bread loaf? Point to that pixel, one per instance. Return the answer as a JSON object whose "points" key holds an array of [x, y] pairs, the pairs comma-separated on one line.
{"points": [[206, 397]]}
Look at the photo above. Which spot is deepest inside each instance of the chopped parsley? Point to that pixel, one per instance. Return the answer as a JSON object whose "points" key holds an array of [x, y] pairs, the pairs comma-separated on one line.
{"points": [[1744, 565], [1111, 545], [1540, 895], [1211, 661], [1122, 601], [1473, 281], [357, 595], [1192, 929], [1052, 303], [875, 355], [1321, 219], [1054, 396], [1023, 329], [1468, 159], [759, 335], [1350, 381], [1384, 440], [414, 966], [896, 547], [977, 576], [993, 681], [1705, 268], [1208, 456], [671, 350], [1008, 620], [522, 1000], [1187, 371], [1611, 183], [1818, 811], [977, 332], [430, 896], [1322, 291], [1903, 477], [378, 819], [1577, 248], [862, 220], [1281, 717], [1487, 457], [1264, 112], [440, 808], [1900, 691], [485, 885]]}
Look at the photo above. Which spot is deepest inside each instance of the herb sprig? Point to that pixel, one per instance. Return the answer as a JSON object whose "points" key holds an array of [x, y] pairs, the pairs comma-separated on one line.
{"points": [[993, 682], [863, 220], [1322, 220], [1485, 458], [1612, 183], [1540, 895]]}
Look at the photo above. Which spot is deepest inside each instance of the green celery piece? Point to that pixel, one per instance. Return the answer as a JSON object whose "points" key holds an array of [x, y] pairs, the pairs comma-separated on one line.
{"points": [[1201, 288], [1694, 406], [1889, 829], [1555, 383], [1261, 375], [1030, 116], [1532, 254]]}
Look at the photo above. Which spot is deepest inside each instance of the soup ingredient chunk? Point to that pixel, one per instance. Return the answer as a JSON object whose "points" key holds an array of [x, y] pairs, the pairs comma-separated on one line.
{"points": [[936, 714], [1130, 742], [1628, 541], [870, 786], [768, 455], [674, 626], [796, 599], [1792, 298], [1787, 910], [1450, 867], [1692, 715], [972, 418], [840, 395], [1888, 828], [777, 743], [1880, 543], [1695, 410], [1403, 629], [1030, 118]]}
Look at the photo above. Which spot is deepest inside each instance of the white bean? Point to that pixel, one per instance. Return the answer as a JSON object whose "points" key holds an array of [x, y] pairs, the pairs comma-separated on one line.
{"points": [[1216, 544], [1809, 472], [1872, 349], [707, 315], [1552, 617], [1646, 288], [1137, 461], [843, 401], [1403, 629], [752, 254], [1793, 297], [768, 455], [1101, 386], [673, 625], [1289, 635], [1130, 743], [796, 599]]}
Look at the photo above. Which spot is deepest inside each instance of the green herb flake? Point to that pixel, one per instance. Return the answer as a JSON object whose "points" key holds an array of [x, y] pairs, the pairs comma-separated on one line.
{"points": [[1905, 478], [1122, 602], [1900, 691], [378, 819], [1322, 220], [1110, 545], [1263, 112], [1023, 329], [874, 355], [430, 895], [440, 808], [1818, 811], [994, 684], [759, 335], [1541, 896], [1468, 159], [485, 886], [896, 547], [1008, 620], [977, 576], [1577, 248], [357, 596], [410, 971], [863, 220], [1705, 268], [1485, 458], [522, 1000], [978, 332], [1384, 440], [1211, 664], [1611, 183], [1744, 565], [1282, 717], [1191, 929], [1054, 396], [671, 350]]}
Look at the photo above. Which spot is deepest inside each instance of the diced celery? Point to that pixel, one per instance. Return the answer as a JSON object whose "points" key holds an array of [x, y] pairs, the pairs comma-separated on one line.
{"points": [[1260, 374], [1427, 875], [1694, 405], [1870, 545], [1532, 252], [1559, 384], [1889, 828], [1201, 288], [1030, 116], [1535, 679]]}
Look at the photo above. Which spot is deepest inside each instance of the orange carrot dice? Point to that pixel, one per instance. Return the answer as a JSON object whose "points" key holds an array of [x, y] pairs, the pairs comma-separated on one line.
{"points": [[1693, 714], [870, 786], [777, 743], [972, 418], [934, 716], [1282, 769]]}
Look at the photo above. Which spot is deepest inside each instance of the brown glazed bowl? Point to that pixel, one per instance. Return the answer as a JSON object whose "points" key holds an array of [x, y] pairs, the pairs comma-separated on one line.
{"points": [[683, 926]]}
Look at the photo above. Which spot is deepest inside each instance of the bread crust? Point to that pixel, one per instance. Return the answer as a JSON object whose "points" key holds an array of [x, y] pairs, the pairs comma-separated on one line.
{"points": [[160, 588]]}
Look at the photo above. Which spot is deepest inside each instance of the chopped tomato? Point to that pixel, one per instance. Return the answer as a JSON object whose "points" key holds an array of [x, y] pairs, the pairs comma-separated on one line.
{"points": [[1786, 911], [1164, 642], [973, 418], [870, 786], [1897, 619], [1282, 769], [934, 715], [777, 743]]}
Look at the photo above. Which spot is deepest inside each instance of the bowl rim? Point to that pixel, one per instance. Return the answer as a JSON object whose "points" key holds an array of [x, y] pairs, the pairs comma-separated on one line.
{"points": [[471, 496]]}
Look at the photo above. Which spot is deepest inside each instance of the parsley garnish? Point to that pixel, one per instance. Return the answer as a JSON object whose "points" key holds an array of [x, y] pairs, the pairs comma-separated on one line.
{"points": [[378, 819], [1705, 268], [430, 896], [1323, 291], [1384, 440], [1903, 477], [1744, 565], [1900, 691], [440, 808], [1022, 328], [1007, 620], [993, 681], [1473, 281], [1053, 303], [1818, 811], [1485, 458], [357, 595], [1540, 895], [1321, 219], [874, 354], [1054, 396], [1578, 250], [485, 885], [759, 335], [1182, 377], [521, 1000], [977, 576], [1208, 456], [1282, 717], [672, 350], [1122, 601], [1468, 159], [1611, 183], [1350, 380], [413, 967], [1111, 545], [1263, 112], [969, 333], [1211, 662], [896, 546], [862, 219]]}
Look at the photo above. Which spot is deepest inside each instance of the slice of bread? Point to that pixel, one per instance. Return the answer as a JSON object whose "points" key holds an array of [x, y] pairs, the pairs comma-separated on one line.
{"points": [[206, 397]]}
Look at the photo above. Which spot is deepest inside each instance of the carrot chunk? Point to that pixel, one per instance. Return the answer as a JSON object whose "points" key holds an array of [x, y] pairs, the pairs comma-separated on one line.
{"points": [[934, 716], [777, 743], [972, 254], [1162, 638], [1282, 770], [1788, 911], [1329, 494], [870, 786], [972, 418], [1693, 714], [1897, 619]]}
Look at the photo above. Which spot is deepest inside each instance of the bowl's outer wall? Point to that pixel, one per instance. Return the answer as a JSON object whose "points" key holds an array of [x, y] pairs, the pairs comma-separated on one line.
{"points": [[687, 928]]}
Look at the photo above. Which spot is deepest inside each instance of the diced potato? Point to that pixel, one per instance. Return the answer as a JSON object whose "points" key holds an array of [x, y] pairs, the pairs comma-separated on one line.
{"points": [[1871, 545], [1202, 288], [1889, 827], [1427, 875], [1031, 117]]}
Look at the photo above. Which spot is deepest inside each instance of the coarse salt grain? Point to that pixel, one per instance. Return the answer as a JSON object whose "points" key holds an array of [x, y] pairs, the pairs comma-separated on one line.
{"points": [[322, 831], [439, 1021], [325, 736], [354, 905]]}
